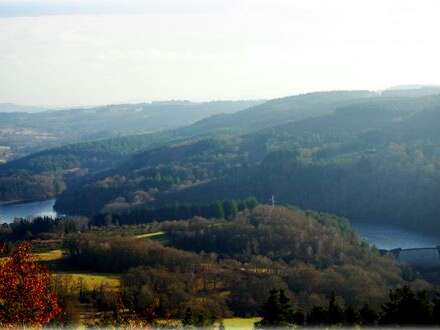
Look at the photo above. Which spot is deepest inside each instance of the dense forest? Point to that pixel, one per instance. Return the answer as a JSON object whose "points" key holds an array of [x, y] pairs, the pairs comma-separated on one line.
{"points": [[373, 160], [357, 154], [28, 131]]}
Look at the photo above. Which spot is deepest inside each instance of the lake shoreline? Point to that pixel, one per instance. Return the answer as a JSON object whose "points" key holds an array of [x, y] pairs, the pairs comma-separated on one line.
{"points": [[392, 236], [24, 201], [383, 236], [29, 209]]}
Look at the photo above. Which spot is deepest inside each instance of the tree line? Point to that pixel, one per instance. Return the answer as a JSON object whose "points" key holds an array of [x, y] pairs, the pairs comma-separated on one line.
{"points": [[141, 215], [25, 229], [404, 307]]}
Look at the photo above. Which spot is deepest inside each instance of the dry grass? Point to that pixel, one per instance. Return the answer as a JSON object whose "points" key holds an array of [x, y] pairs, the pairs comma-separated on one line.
{"points": [[52, 255]]}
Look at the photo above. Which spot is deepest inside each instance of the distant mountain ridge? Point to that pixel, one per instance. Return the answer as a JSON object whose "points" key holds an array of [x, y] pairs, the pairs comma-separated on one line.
{"points": [[411, 90], [26, 132], [251, 119]]}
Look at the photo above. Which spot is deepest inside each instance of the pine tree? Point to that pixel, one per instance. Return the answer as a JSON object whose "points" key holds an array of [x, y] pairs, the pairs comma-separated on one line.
{"points": [[287, 312], [436, 310], [271, 310], [406, 308], [188, 317], [367, 316], [318, 316], [335, 314], [278, 311], [251, 202], [351, 316], [230, 208], [217, 210]]}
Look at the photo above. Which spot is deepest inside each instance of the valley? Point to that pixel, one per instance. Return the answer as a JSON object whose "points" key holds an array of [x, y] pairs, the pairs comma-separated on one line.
{"points": [[349, 158], [179, 214], [219, 165]]}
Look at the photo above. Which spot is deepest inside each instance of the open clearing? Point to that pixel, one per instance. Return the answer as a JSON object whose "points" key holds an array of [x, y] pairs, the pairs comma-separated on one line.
{"points": [[159, 236], [239, 323], [151, 235], [92, 280], [52, 255]]}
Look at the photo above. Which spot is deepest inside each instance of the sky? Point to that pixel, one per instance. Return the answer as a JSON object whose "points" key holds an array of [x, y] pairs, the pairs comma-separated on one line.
{"points": [[89, 52]]}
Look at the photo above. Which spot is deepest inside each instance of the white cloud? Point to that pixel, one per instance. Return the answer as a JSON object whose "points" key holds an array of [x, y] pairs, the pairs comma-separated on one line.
{"points": [[218, 49]]}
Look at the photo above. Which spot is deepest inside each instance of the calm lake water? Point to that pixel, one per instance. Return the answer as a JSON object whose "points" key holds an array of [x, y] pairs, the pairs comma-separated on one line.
{"points": [[23, 210], [382, 236], [392, 237]]}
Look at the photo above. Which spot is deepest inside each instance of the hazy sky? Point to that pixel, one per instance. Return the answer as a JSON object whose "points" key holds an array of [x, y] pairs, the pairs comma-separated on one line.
{"points": [[84, 52]]}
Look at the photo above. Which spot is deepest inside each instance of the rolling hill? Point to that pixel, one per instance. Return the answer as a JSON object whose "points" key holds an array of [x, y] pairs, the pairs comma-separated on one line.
{"points": [[373, 160], [368, 158], [29, 132]]}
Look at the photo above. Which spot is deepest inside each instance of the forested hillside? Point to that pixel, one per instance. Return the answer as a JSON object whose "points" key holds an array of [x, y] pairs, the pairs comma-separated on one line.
{"points": [[92, 157], [365, 157], [278, 111], [265, 114], [28, 132], [374, 160]]}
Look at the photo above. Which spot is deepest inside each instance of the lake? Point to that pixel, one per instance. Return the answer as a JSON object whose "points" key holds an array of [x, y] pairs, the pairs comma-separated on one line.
{"points": [[23, 210], [382, 236], [391, 236]]}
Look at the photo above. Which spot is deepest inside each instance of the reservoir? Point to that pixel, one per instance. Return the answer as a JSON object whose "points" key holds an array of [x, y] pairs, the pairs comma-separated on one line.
{"points": [[392, 237], [382, 236], [9, 212]]}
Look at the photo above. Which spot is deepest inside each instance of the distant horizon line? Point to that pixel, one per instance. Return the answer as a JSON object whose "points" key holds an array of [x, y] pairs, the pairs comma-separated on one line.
{"points": [[183, 100]]}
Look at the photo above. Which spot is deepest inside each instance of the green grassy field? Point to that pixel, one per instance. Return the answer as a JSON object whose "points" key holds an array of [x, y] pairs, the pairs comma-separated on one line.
{"points": [[92, 280], [151, 235], [239, 323], [159, 236], [233, 323], [123, 231]]}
